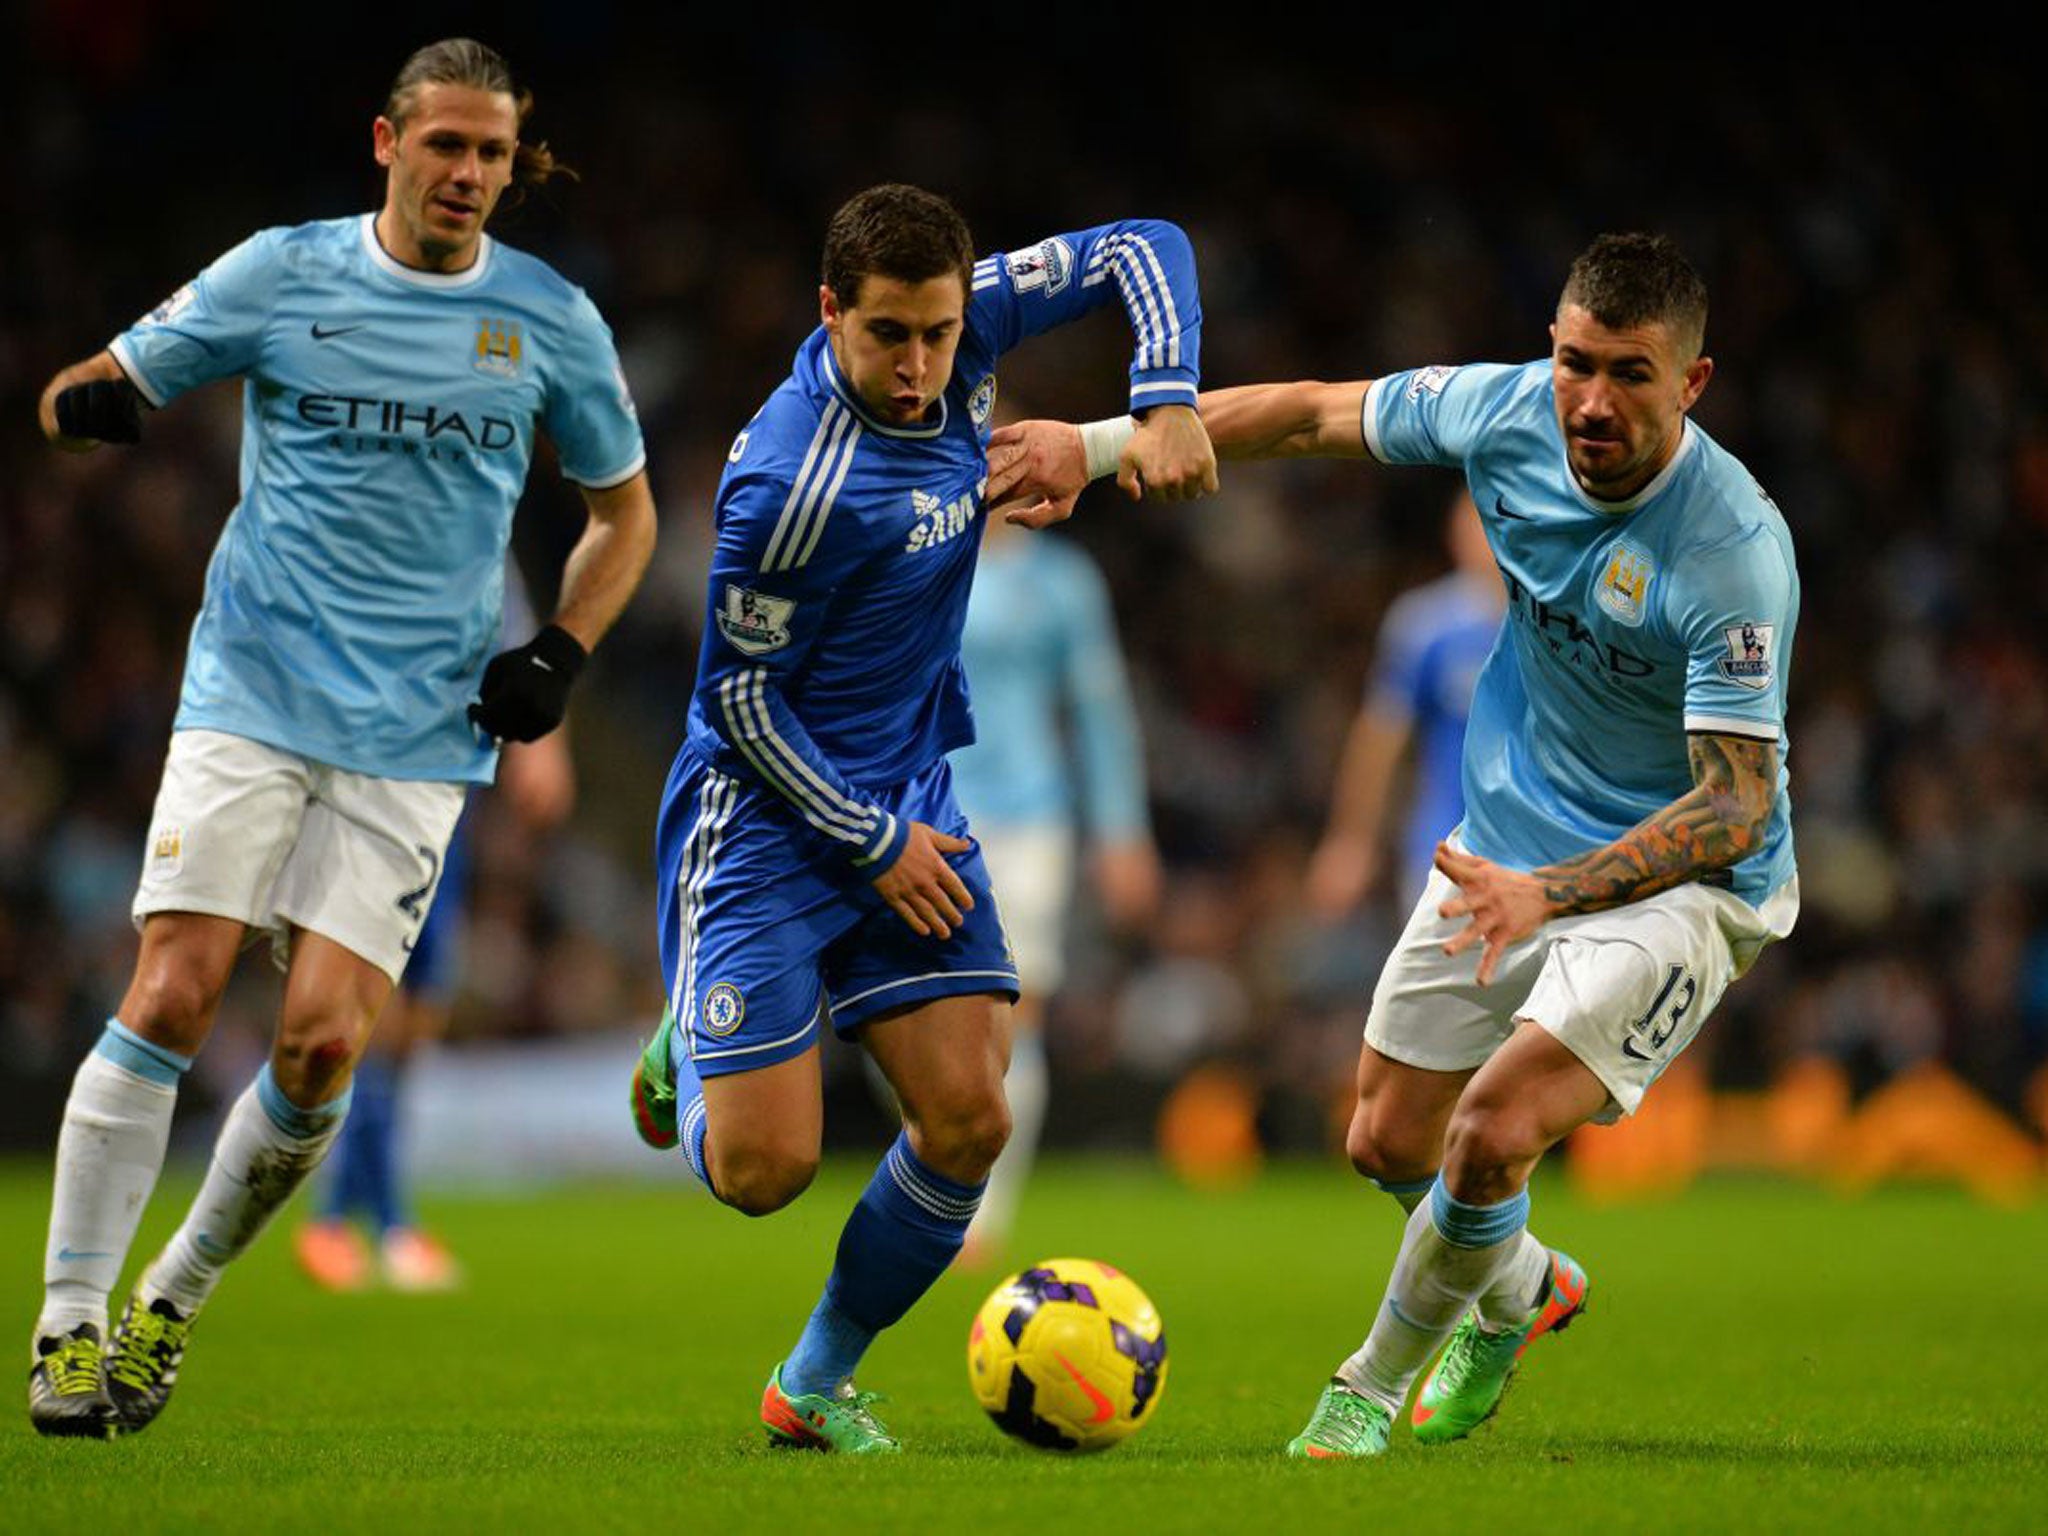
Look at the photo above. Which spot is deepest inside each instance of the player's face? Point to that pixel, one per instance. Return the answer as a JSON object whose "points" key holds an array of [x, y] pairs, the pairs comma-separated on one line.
{"points": [[447, 170], [895, 342], [1622, 396]]}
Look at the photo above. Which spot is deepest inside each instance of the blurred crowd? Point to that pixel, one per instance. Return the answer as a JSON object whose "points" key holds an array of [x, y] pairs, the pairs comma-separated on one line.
{"points": [[1880, 325]]}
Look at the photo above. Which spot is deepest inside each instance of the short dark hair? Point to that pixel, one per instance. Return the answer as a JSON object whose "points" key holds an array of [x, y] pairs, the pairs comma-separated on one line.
{"points": [[1635, 279], [899, 232], [465, 61]]}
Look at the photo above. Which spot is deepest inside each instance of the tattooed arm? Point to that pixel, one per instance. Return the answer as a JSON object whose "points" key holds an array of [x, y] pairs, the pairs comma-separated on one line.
{"points": [[1719, 822]]}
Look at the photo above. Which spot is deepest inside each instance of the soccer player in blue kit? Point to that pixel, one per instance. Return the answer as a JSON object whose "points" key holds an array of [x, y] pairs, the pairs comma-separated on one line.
{"points": [[1626, 850], [397, 366], [812, 863]]}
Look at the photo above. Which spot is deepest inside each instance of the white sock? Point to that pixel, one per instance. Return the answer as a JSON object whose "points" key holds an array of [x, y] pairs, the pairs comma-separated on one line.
{"points": [[267, 1147], [1026, 1086], [117, 1123], [1511, 1299], [1450, 1254]]}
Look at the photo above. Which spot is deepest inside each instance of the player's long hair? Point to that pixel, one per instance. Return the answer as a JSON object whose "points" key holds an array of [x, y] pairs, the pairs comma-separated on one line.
{"points": [[465, 61]]}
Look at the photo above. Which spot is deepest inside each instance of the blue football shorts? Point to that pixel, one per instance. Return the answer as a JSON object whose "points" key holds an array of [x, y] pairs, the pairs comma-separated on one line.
{"points": [[768, 929]]}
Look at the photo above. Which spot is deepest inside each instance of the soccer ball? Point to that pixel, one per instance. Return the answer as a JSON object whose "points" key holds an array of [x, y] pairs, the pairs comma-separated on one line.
{"points": [[1068, 1356]]}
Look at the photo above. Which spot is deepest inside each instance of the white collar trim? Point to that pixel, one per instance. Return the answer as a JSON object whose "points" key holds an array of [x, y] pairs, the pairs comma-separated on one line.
{"points": [[468, 276]]}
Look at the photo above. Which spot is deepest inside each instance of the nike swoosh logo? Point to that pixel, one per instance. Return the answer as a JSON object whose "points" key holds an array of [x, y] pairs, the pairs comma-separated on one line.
{"points": [[1500, 509], [1105, 1410], [335, 330], [1630, 1048], [72, 1255]]}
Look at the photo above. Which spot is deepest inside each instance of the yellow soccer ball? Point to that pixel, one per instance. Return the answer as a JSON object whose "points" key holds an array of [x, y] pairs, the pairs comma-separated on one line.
{"points": [[1068, 1355]]}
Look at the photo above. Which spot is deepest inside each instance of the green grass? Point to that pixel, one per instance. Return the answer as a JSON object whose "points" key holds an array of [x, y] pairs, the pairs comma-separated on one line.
{"points": [[1757, 1357]]}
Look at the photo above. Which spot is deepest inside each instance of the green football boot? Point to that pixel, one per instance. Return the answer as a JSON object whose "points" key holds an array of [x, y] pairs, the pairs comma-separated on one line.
{"points": [[842, 1421], [67, 1386], [654, 1089], [142, 1362], [1465, 1386], [1345, 1424]]}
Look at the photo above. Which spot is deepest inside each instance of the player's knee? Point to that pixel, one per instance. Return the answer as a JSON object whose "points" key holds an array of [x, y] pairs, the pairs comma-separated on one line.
{"points": [[1387, 1151], [965, 1143], [759, 1182], [1489, 1150], [310, 1063], [170, 1004]]}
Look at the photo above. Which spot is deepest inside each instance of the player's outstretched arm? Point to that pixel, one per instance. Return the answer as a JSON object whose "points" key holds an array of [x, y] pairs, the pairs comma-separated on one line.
{"points": [[90, 403], [1306, 419], [1037, 469], [525, 691], [1720, 821]]}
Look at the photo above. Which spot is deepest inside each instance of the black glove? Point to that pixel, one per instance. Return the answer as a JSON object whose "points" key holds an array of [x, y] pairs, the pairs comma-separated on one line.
{"points": [[526, 690], [107, 409]]}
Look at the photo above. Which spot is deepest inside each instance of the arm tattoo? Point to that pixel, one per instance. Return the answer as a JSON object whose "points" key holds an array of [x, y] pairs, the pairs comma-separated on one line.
{"points": [[1721, 820]]}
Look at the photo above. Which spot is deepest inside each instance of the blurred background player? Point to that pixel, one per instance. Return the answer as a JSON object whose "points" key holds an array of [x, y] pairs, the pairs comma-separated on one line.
{"points": [[366, 1171], [813, 860], [1431, 646], [398, 367], [1057, 750]]}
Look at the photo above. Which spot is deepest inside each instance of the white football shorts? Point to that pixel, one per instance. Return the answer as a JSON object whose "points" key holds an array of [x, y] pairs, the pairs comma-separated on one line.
{"points": [[1032, 870], [276, 840], [1624, 990]]}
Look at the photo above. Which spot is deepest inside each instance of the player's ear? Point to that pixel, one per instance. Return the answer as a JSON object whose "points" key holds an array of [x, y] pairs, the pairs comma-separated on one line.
{"points": [[384, 140], [1697, 372], [829, 312]]}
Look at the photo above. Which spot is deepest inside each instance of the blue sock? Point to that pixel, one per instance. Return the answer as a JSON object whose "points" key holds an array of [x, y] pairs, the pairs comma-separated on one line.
{"points": [[378, 1092], [901, 1236], [1477, 1226], [689, 1110], [362, 1156]]}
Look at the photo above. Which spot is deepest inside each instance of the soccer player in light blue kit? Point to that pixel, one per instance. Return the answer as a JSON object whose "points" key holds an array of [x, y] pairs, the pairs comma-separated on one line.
{"points": [[813, 865], [1626, 850], [1056, 751], [397, 366]]}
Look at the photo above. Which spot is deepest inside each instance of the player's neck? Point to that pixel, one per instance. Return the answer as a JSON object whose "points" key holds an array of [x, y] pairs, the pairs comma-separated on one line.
{"points": [[402, 247], [1629, 489]]}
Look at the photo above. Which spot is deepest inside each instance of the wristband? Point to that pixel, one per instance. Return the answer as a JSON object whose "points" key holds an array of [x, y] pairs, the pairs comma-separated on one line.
{"points": [[1102, 443]]}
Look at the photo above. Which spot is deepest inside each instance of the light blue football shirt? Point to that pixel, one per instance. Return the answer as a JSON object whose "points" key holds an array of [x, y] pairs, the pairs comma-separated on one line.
{"points": [[388, 420], [1054, 726], [1629, 624]]}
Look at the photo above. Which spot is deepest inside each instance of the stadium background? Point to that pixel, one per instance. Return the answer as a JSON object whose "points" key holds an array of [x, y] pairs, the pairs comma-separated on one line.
{"points": [[1880, 325]]}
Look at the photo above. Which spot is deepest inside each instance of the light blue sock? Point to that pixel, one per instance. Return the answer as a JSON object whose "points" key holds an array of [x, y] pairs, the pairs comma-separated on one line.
{"points": [[906, 1229]]}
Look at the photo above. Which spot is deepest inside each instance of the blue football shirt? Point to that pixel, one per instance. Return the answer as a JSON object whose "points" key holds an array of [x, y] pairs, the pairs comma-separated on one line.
{"points": [[845, 548], [389, 417], [1629, 624], [1433, 643]]}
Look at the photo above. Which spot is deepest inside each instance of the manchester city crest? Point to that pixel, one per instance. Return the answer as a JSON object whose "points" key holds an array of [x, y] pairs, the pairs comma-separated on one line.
{"points": [[1624, 586], [498, 349]]}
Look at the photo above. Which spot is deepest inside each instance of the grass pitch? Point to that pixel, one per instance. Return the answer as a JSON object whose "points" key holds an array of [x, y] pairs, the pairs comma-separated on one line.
{"points": [[1757, 1357]]}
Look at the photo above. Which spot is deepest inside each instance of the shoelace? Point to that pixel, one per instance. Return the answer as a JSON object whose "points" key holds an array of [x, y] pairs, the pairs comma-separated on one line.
{"points": [[74, 1368], [1471, 1345], [1345, 1420], [859, 1407], [144, 1344]]}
